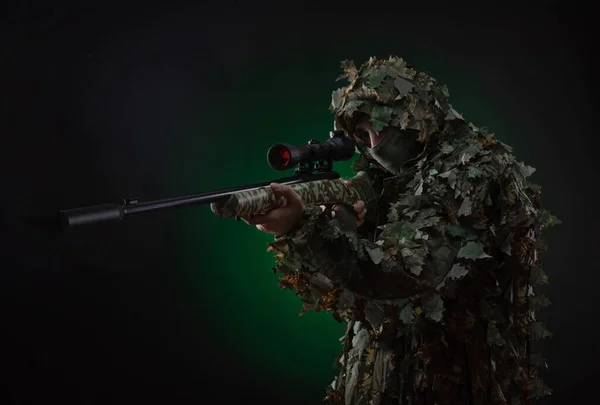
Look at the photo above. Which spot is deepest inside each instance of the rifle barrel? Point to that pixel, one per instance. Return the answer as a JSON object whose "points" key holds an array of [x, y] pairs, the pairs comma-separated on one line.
{"points": [[110, 212]]}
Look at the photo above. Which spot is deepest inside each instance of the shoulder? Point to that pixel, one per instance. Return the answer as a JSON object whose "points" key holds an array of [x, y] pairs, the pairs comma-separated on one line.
{"points": [[469, 165], [472, 177]]}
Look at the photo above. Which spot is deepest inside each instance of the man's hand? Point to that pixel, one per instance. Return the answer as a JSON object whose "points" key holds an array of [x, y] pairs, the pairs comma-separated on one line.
{"points": [[279, 221], [359, 208]]}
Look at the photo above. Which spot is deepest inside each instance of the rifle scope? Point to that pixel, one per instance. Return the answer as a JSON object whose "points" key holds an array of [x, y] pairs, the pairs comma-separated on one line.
{"points": [[338, 147]]}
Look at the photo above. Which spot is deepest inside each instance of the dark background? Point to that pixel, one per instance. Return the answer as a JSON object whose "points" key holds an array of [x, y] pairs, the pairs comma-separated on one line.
{"points": [[107, 101]]}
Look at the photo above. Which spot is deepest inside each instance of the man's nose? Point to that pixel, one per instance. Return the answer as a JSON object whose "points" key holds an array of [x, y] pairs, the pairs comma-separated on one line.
{"points": [[375, 137]]}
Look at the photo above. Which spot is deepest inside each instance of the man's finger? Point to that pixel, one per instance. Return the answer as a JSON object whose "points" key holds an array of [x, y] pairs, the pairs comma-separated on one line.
{"points": [[362, 214], [359, 206], [283, 190], [262, 218]]}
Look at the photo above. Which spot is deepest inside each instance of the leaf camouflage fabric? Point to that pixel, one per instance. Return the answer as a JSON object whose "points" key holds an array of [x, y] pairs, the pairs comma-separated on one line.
{"points": [[437, 287]]}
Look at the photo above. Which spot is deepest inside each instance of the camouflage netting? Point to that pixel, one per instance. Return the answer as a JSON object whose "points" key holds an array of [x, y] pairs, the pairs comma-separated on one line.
{"points": [[392, 93], [438, 288]]}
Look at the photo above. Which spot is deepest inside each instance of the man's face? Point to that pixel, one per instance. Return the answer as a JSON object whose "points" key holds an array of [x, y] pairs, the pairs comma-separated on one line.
{"points": [[390, 147], [364, 130]]}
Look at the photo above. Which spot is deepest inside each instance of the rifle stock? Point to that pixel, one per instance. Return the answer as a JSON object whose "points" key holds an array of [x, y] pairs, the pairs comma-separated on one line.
{"points": [[319, 192]]}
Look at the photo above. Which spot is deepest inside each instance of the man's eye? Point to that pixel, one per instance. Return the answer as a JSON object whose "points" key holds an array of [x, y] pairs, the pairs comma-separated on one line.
{"points": [[362, 134], [362, 137]]}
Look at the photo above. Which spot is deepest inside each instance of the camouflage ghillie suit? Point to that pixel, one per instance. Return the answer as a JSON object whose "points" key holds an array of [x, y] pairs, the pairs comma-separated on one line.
{"points": [[437, 286]]}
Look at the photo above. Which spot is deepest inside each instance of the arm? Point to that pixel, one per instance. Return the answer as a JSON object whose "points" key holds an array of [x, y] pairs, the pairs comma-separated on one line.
{"points": [[331, 265]]}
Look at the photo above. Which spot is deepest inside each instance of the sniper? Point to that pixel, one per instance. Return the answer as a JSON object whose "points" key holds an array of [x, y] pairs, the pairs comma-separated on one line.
{"points": [[435, 272]]}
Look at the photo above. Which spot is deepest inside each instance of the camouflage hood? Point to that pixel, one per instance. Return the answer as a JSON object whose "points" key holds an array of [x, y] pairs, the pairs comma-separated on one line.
{"points": [[394, 94]]}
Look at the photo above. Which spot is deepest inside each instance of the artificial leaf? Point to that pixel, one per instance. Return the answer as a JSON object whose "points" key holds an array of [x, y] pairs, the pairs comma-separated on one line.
{"points": [[526, 170], [507, 244], [289, 281], [352, 106], [376, 76], [460, 232], [453, 115], [378, 125], [360, 341], [473, 251], [308, 306], [337, 99], [451, 176], [433, 307], [381, 113], [370, 356], [538, 302], [440, 257], [537, 360], [538, 276], [471, 151], [351, 382], [465, 208], [426, 217], [401, 231], [345, 299], [365, 92], [365, 386], [457, 272], [407, 314], [400, 303], [547, 219], [349, 69], [330, 231], [321, 283], [282, 268], [375, 254], [474, 172], [446, 148], [382, 369], [403, 86], [413, 260], [419, 189], [374, 313], [539, 331], [398, 64]]}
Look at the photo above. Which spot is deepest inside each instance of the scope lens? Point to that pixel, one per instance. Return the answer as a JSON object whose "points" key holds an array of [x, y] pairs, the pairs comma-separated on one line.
{"points": [[279, 157]]}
